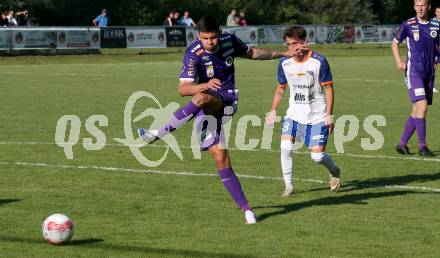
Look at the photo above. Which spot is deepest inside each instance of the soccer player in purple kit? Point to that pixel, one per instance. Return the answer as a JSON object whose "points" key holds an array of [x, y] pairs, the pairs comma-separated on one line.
{"points": [[422, 37], [208, 76]]}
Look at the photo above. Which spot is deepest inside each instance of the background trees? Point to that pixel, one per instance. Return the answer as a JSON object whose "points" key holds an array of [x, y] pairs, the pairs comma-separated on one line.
{"points": [[152, 12]]}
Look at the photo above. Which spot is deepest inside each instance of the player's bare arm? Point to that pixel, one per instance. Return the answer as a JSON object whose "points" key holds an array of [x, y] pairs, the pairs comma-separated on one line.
{"points": [[188, 88], [278, 96], [329, 99], [401, 66], [267, 53]]}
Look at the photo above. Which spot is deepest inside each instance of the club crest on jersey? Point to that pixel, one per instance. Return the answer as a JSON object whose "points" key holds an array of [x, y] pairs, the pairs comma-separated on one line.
{"points": [[210, 71], [433, 33], [416, 35], [229, 61]]}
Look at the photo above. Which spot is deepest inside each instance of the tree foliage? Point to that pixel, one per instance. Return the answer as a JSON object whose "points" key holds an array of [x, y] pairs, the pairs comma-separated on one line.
{"points": [[153, 12]]}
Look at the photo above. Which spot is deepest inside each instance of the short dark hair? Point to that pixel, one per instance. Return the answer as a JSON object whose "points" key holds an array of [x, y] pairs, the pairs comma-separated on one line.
{"points": [[208, 24], [295, 32]]}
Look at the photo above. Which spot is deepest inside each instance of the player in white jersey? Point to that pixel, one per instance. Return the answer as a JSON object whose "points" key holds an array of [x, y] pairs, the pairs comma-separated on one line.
{"points": [[310, 111], [437, 19]]}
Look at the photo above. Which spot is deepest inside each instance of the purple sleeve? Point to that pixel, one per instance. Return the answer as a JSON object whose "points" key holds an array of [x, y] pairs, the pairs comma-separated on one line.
{"points": [[239, 46], [325, 74], [189, 69], [402, 33], [281, 75]]}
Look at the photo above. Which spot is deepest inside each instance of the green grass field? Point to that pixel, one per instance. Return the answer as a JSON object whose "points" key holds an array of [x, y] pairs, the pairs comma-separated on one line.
{"points": [[388, 206]]}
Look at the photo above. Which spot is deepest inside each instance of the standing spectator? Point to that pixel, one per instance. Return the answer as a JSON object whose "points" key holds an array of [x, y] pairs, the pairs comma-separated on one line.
{"points": [[11, 19], [23, 18], [102, 20], [242, 19], [176, 19], [186, 20], [232, 19], [4, 19], [168, 22]]}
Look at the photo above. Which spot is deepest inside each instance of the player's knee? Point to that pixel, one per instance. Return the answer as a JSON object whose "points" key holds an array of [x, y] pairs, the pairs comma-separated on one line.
{"points": [[221, 159], [317, 156], [286, 146], [200, 99]]}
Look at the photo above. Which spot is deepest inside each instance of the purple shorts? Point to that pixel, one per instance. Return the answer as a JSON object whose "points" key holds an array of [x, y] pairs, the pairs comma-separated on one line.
{"points": [[210, 127], [420, 88]]}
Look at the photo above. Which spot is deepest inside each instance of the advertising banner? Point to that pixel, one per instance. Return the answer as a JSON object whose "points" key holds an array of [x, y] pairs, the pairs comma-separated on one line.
{"points": [[79, 38], [34, 39], [248, 35], [146, 37], [113, 37], [176, 36], [5, 39]]}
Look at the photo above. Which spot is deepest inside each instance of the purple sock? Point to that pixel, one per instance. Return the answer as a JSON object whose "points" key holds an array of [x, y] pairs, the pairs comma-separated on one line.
{"points": [[180, 117], [421, 131], [231, 183], [410, 127]]}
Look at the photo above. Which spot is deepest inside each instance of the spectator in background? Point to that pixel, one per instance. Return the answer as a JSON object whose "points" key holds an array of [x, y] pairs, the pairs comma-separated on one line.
{"points": [[176, 19], [186, 20], [242, 19], [232, 19], [168, 22], [102, 20], [11, 19], [4, 19], [23, 18]]}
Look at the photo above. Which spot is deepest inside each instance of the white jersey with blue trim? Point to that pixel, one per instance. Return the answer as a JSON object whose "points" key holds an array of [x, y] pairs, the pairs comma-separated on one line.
{"points": [[307, 102]]}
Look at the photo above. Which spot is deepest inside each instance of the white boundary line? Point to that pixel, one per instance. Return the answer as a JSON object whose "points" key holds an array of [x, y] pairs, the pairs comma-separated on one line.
{"points": [[183, 173], [362, 156]]}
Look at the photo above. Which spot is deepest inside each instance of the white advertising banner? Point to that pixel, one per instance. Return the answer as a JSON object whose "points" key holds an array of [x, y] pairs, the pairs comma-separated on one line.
{"points": [[34, 38], [248, 35], [191, 35], [79, 38], [375, 33], [146, 37], [5, 39]]}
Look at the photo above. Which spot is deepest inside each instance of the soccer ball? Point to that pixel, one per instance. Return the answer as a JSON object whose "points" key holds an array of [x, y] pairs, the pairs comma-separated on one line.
{"points": [[57, 229]]}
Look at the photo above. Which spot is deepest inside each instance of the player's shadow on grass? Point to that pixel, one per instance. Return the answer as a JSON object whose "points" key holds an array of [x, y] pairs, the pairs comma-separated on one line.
{"points": [[382, 182], [359, 199], [128, 249], [6, 201]]}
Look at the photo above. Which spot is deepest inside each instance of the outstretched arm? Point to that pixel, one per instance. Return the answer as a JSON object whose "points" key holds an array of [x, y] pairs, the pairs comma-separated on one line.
{"points": [[267, 53]]}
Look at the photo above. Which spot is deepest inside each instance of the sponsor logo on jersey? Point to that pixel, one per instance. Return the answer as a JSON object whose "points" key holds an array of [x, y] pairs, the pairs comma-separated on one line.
{"points": [[191, 67], [434, 34], [415, 27], [416, 35], [300, 97], [229, 61], [434, 28], [210, 71], [205, 58], [435, 23]]}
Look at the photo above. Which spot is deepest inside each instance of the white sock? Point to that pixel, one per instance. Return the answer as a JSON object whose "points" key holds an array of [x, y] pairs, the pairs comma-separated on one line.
{"points": [[325, 159], [287, 162]]}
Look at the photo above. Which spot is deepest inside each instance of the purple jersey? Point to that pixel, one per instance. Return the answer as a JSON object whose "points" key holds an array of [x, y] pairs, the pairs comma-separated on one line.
{"points": [[200, 65], [422, 41]]}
